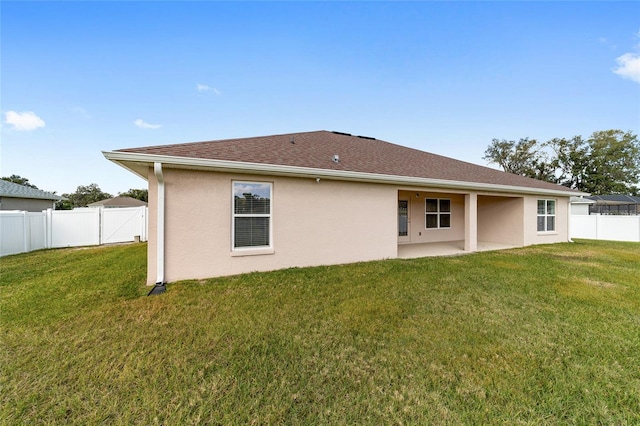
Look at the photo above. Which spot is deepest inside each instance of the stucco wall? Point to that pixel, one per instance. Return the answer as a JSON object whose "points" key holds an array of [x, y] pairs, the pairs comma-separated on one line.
{"points": [[25, 204], [500, 220], [314, 223], [531, 234]]}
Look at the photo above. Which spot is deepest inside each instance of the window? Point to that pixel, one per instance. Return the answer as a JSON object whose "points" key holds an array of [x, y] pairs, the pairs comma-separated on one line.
{"points": [[251, 215], [546, 215], [403, 218], [438, 213]]}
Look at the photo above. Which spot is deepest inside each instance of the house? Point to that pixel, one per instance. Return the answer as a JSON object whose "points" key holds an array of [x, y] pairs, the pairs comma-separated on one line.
{"points": [[118, 202], [581, 205], [263, 203], [19, 197], [616, 204]]}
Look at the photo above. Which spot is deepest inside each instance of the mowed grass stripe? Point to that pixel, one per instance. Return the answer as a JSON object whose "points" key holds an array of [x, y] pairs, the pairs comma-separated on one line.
{"points": [[539, 335]]}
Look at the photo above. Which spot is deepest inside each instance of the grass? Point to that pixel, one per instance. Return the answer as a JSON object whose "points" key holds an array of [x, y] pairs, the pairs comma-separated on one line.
{"points": [[539, 335]]}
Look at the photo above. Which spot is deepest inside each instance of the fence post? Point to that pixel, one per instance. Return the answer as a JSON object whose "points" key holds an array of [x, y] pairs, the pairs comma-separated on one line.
{"points": [[100, 226], [26, 239], [48, 228]]}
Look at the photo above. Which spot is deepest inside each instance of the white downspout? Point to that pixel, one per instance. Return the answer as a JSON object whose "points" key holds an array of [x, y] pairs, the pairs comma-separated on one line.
{"points": [[157, 169], [569, 221]]}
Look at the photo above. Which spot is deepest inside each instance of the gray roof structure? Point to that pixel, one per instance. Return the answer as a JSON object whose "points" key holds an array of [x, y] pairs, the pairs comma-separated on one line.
{"points": [[14, 190], [615, 199]]}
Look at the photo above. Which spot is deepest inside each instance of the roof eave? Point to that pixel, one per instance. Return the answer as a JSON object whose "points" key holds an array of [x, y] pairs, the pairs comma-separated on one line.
{"points": [[129, 161], [33, 197]]}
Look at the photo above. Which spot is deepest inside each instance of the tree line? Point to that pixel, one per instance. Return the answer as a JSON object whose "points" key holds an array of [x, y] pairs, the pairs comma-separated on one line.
{"points": [[607, 162], [84, 194]]}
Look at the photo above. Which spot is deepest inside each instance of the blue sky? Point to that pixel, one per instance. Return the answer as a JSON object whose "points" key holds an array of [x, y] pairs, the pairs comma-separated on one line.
{"points": [[78, 78]]}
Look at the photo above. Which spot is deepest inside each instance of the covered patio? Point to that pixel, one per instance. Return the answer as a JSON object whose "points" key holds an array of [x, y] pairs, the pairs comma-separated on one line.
{"points": [[444, 248], [434, 223]]}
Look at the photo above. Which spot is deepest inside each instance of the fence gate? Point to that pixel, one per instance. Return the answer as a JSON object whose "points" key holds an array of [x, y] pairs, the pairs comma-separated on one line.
{"points": [[123, 224], [23, 231]]}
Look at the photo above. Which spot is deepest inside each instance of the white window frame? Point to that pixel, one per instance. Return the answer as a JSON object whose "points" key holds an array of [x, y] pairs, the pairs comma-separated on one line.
{"points": [[248, 250], [439, 213], [546, 215]]}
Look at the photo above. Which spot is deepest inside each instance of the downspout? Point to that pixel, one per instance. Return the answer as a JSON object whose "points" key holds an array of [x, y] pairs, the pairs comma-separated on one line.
{"points": [[569, 221], [160, 286]]}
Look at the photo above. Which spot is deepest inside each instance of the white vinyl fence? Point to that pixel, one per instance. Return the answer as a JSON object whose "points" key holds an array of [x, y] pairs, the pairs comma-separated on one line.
{"points": [[24, 231], [606, 227]]}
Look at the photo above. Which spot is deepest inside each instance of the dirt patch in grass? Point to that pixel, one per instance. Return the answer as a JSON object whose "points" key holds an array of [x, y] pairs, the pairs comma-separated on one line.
{"points": [[596, 283]]}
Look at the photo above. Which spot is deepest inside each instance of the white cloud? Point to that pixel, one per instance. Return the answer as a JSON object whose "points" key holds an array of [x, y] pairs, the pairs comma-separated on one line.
{"points": [[629, 66], [205, 88], [23, 120], [144, 125]]}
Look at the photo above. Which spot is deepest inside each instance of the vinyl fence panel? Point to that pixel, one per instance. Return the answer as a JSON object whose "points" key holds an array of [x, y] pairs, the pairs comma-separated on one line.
{"points": [[23, 231], [37, 231], [584, 227], [75, 228], [12, 233], [605, 227], [123, 224]]}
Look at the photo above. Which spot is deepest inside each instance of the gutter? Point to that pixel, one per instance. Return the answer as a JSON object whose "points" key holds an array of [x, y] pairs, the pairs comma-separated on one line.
{"points": [[121, 158], [160, 286]]}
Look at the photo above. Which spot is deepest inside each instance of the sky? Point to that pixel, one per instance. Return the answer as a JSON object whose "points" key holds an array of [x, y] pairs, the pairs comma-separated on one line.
{"points": [[79, 78]]}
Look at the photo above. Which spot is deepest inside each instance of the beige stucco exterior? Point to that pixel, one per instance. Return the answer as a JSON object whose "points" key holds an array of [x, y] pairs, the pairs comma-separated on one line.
{"points": [[314, 223], [26, 204], [325, 222], [561, 234]]}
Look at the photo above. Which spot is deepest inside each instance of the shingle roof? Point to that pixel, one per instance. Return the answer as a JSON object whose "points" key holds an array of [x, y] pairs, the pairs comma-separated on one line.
{"points": [[119, 201], [356, 154], [14, 190]]}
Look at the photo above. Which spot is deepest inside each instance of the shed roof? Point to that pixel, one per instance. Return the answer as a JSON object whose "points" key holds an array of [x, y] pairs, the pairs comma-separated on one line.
{"points": [[119, 201], [325, 153], [14, 190]]}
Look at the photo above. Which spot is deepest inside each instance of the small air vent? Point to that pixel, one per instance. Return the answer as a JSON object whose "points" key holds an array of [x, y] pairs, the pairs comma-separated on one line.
{"points": [[336, 158]]}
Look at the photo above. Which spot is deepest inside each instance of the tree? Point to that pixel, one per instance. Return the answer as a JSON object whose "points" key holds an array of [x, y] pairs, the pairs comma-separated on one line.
{"points": [[571, 161], [138, 194], [525, 157], [606, 163], [19, 180], [83, 196]]}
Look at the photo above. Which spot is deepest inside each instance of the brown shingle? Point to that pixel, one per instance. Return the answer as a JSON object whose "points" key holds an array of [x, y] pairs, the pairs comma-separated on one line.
{"points": [[356, 154]]}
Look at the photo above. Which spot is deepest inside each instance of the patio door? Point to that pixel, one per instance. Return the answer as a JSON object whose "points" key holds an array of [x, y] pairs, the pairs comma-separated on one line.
{"points": [[404, 234]]}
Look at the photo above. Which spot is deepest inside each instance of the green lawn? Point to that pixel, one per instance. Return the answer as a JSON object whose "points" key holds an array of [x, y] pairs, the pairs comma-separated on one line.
{"points": [[540, 335]]}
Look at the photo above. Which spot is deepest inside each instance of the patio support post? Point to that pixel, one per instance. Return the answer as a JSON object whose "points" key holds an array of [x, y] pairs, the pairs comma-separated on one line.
{"points": [[471, 222]]}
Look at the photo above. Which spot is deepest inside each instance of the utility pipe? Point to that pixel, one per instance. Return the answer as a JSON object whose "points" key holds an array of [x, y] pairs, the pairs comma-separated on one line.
{"points": [[160, 284]]}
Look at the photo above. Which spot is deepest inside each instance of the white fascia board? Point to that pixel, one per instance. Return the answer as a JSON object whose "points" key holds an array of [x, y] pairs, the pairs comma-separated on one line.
{"points": [[295, 171], [121, 162]]}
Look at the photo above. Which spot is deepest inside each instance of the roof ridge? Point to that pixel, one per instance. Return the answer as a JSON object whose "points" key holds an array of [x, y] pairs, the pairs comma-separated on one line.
{"points": [[173, 145]]}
